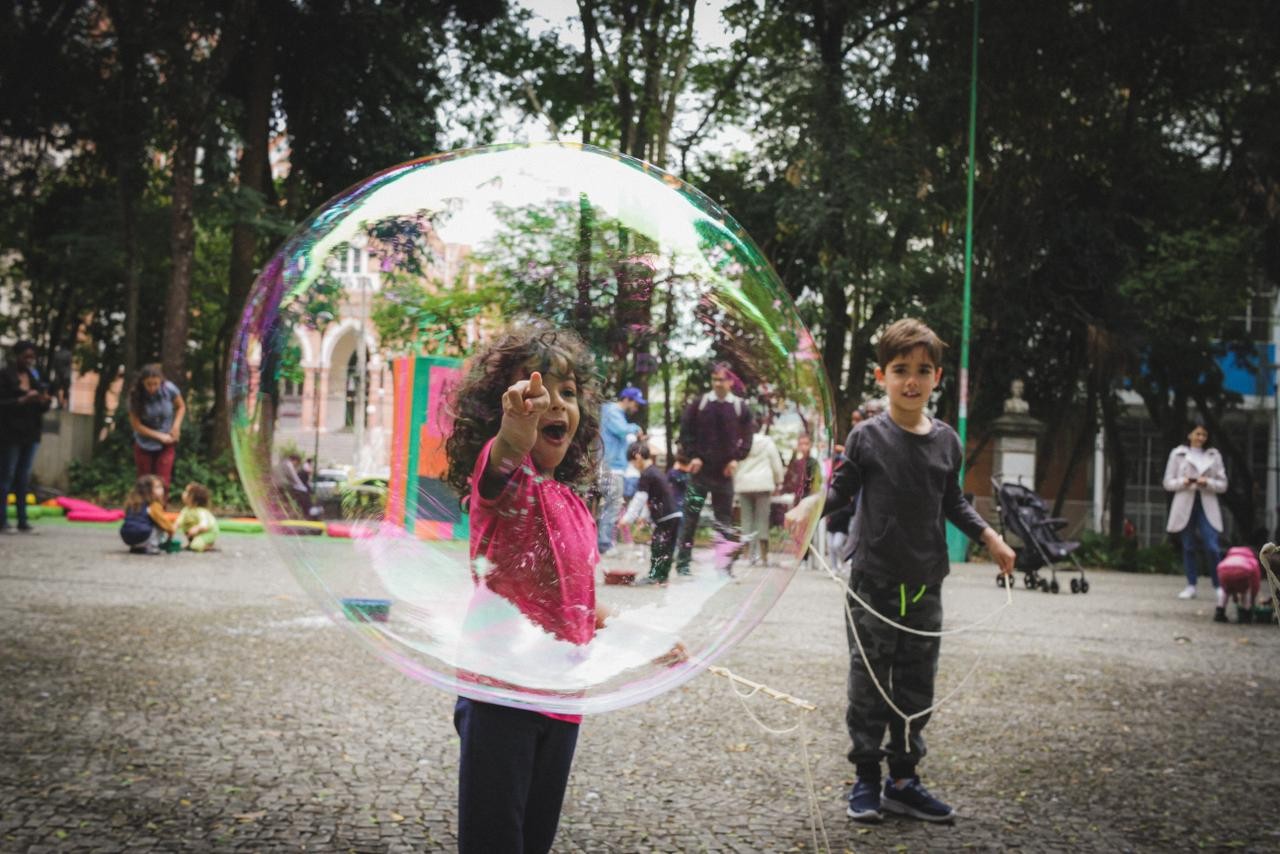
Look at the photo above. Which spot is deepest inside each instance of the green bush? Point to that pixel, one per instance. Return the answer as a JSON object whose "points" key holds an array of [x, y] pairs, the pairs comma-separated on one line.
{"points": [[110, 475], [1099, 550]]}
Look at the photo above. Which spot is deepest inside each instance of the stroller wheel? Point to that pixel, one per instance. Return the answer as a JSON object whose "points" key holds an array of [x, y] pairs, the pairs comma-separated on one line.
{"points": [[1084, 586], [1044, 585], [1053, 587], [1029, 581], [1075, 585], [999, 580]]}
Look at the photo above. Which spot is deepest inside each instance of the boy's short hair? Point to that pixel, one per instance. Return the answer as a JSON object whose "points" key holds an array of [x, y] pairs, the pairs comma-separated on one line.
{"points": [[199, 494], [905, 335], [683, 459], [639, 449]]}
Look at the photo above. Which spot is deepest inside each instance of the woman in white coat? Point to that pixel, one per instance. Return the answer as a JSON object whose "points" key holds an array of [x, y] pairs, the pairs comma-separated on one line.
{"points": [[1196, 477], [755, 480]]}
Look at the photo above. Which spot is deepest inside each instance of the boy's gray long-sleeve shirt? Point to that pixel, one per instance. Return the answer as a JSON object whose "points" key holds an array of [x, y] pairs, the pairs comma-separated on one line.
{"points": [[908, 486]]}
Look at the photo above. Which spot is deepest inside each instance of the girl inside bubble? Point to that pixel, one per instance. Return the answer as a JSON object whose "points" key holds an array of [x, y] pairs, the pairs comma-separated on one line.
{"points": [[522, 447]]}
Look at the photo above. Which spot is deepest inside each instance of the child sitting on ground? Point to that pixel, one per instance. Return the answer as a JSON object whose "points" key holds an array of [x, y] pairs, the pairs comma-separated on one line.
{"points": [[196, 521], [654, 492], [146, 530], [1240, 577]]}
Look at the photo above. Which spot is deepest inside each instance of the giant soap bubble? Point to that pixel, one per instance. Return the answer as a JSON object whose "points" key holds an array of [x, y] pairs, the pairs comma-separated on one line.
{"points": [[345, 391]]}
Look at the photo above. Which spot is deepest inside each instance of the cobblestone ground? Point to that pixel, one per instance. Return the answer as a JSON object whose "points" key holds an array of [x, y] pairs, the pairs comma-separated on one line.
{"points": [[199, 703]]}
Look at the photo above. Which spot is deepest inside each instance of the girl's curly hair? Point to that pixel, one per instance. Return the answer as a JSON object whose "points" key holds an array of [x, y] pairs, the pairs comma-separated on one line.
{"points": [[476, 403]]}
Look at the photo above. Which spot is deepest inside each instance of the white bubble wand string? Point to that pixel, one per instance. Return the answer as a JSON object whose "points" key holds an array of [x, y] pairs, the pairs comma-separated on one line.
{"points": [[816, 824], [853, 628], [1264, 557]]}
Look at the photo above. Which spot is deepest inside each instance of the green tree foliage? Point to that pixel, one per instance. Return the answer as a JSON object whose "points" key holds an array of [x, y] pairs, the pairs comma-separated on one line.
{"points": [[1126, 176]]}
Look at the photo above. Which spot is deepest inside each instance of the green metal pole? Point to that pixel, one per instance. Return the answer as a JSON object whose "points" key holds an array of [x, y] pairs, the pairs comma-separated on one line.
{"points": [[958, 543], [963, 426]]}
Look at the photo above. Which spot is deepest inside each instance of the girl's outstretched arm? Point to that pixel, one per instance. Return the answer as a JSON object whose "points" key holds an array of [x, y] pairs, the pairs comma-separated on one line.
{"points": [[522, 405]]}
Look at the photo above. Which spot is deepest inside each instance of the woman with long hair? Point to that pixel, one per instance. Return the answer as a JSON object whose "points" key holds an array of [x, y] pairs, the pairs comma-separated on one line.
{"points": [[156, 410], [1196, 477]]}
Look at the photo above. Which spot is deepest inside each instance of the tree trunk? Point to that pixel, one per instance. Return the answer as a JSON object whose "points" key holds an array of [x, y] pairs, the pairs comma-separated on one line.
{"points": [[1084, 441], [582, 310], [254, 178], [590, 32], [679, 67], [182, 239], [829, 21], [1119, 464]]}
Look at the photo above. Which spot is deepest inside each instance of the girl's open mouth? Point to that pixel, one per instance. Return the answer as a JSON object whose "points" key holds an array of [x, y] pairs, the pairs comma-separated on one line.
{"points": [[555, 432]]}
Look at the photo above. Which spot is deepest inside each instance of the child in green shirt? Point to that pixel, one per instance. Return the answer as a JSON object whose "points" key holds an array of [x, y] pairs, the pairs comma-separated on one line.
{"points": [[196, 521]]}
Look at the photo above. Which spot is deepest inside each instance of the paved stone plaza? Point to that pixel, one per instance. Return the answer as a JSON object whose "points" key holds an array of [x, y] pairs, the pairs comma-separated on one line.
{"points": [[200, 703]]}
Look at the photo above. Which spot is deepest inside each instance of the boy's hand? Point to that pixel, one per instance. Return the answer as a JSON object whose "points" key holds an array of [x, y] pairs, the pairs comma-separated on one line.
{"points": [[797, 517], [1001, 552], [678, 654], [522, 405]]}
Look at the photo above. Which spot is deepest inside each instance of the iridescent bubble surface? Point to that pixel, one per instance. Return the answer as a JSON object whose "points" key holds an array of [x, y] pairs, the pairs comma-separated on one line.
{"points": [[345, 392]]}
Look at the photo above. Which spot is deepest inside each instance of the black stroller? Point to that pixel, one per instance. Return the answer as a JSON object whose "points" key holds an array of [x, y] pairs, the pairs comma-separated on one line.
{"points": [[1026, 515]]}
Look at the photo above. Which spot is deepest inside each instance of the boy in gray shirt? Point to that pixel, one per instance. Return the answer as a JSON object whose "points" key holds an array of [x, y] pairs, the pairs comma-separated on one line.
{"points": [[904, 467]]}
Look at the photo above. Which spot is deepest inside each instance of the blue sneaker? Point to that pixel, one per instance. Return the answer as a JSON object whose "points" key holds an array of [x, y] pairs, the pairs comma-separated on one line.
{"points": [[913, 799], [864, 801]]}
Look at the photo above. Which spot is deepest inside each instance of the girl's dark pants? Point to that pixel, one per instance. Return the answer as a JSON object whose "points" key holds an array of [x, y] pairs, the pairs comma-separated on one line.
{"points": [[905, 664], [511, 777]]}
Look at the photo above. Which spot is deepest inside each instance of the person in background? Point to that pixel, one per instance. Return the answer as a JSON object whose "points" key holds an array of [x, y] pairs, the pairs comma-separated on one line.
{"points": [[23, 402], [802, 474], [678, 477], [654, 493], [1239, 579], [754, 481], [288, 480], [715, 433], [156, 412], [1196, 477], [616, 432]]}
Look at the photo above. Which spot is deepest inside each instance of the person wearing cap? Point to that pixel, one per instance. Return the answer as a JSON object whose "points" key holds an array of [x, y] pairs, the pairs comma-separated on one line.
{"points": [[616, 431]]}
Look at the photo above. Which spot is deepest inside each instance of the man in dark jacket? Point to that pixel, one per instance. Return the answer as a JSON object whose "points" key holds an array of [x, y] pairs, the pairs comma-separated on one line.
{"points": [[23, 400], [715, 433]]}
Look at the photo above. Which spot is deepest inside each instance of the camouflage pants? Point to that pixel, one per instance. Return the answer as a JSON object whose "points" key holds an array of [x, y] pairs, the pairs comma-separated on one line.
{"points": [[904, 664]]}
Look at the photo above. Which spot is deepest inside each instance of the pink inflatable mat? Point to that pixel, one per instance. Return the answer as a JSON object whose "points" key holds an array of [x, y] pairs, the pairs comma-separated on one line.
{"points": [[79, 510], [351, 530]]}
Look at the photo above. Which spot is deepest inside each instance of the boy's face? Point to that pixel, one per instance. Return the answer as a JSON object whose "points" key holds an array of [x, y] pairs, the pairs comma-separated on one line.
{"points": [[559, 423], [909, 380]]}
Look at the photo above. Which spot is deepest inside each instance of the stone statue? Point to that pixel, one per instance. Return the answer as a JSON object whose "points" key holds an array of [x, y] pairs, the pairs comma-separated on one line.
{"points": [[1015, 405]]}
